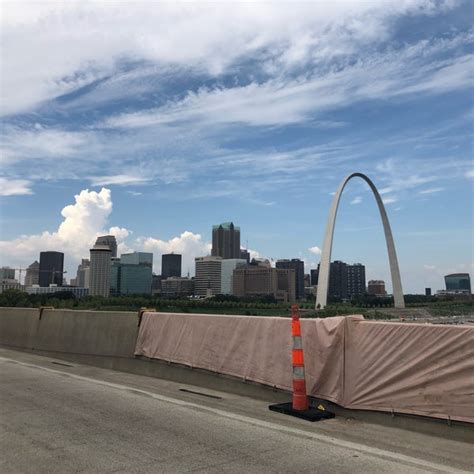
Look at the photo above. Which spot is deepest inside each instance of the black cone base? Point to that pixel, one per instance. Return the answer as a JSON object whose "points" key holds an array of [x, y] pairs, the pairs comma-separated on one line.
{"points": [[312, 414]]}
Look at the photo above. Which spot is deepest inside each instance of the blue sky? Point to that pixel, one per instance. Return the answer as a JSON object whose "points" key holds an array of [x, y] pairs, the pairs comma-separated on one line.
{"points": [[159, 120]]}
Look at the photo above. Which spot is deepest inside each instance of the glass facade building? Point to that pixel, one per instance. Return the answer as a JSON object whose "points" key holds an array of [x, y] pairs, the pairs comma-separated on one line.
{"points": [[458, 282], [51, 267]]}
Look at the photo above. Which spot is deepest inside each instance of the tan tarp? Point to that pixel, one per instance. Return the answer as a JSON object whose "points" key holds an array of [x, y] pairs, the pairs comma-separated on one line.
{"points": [[407, 368]]}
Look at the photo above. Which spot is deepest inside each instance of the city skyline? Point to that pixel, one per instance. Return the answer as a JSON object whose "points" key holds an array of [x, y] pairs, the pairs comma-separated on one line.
{"points": [[255, 126]]}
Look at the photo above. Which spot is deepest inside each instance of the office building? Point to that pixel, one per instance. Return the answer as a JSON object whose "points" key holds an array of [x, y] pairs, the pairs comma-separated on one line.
{"points": [[226, 240], [32, 274], [459, 282], [176, 287], [110, 241], [376, 288], [9, 284], [227, 274], [51, 268], [298, 266], [427, 291], [338, 280], [307, 280], [245, 255], [136, 273], [355, 280], [115, 276], [99, 283], [137, 258], [170, 265], [260, 280], [7, 273], [208, 276], [314, 276], [156, 284], [83, 273]]}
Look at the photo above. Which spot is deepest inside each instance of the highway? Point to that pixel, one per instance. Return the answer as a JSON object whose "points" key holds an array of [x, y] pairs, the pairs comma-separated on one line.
{"points": [[61, 417]]}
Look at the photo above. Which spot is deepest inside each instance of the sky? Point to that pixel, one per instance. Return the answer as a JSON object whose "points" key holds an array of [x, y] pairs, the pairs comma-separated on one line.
{"points": [[154, 121]]}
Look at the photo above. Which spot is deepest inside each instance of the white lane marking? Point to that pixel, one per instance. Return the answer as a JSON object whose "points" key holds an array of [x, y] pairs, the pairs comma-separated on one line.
{"points": [[396, 457]]}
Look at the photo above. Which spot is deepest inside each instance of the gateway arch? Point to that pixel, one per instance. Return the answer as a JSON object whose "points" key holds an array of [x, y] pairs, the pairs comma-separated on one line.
{"points": [[323, 277]]}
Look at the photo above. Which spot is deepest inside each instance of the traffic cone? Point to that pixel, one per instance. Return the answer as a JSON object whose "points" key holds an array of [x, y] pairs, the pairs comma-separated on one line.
{"points": [[300, 407], [300, 399]]}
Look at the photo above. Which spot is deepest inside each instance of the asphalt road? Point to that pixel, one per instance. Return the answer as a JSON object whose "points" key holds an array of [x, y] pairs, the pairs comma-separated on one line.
{"points": [[56, 418]]}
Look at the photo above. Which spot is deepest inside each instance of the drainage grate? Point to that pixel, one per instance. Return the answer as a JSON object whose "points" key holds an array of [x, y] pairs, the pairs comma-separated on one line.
{"points": [[200, 393], [60, 363]]}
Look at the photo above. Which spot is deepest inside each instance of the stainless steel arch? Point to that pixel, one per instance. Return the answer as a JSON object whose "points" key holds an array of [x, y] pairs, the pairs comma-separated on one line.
{"points": [[323, 278]]}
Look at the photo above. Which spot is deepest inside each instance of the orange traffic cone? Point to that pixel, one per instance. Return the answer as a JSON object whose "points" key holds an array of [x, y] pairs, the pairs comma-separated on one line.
{"points": [[300, 405], [300, 399]]}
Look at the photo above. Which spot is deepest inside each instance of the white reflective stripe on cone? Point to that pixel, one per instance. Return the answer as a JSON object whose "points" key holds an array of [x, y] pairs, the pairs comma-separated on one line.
{"points": [[298, 372], [297, 342]]}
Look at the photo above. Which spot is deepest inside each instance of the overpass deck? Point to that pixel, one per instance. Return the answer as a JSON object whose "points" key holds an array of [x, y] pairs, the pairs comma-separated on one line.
{"points": [[59, 416]]}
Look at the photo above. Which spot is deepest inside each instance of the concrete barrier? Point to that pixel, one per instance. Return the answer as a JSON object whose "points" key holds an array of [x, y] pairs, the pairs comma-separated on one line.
{"points": [[101, 333], [18, 327]]}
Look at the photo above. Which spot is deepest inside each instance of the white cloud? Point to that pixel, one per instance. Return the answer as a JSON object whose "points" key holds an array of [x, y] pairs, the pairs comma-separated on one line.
{"points": [[77, 43], [19, 143], [356, 200], [119, 179], [316, 250], [83, 222], [188, 244], [14, 187], [430, 191], [429, 267], [389, 200], [469, 174]]}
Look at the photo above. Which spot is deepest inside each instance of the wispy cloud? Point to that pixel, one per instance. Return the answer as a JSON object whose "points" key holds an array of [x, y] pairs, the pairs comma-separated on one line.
{"points": [[356, 200], [431, 191], [15, 187], [119, 179]]}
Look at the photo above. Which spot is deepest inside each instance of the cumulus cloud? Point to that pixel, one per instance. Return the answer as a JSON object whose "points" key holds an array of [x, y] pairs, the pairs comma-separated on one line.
{"points": [[188, 244], [82, 222], [14, 187], [316, 250]]}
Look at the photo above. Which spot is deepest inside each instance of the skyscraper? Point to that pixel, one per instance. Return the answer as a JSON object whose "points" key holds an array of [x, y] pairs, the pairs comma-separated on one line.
{"points": [[110, 241], [338, 280], [51, 268], [298, 266], [355, 280], [32, 274], [136, 273], [226, 240], [227, 274], [208, 276], [170, 265], [83, 273], [99, 284]]}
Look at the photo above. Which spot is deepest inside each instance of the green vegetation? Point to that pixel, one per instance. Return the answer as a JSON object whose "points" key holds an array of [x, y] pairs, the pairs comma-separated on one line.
{"points": [[372, 308]]}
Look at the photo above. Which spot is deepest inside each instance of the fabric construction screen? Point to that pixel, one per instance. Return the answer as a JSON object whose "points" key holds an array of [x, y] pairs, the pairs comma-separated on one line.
{"points": [[401, 367]]}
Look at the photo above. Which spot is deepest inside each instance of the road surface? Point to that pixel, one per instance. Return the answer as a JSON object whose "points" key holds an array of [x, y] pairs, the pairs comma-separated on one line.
{"points": [[63, 417]]}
